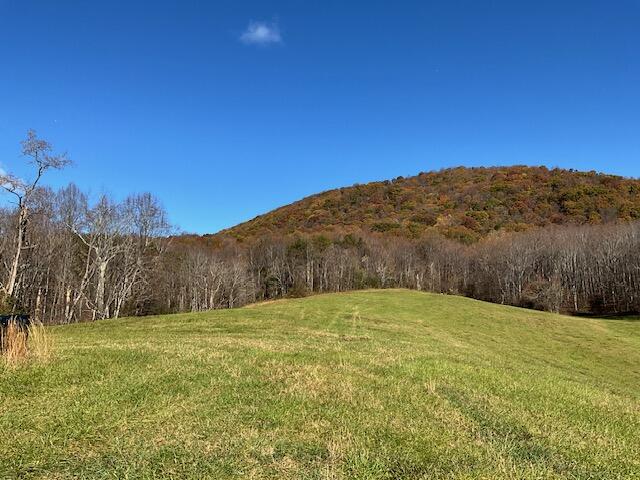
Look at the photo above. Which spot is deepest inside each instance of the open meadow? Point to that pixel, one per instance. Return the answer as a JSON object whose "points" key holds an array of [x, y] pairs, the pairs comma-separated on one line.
{"points": [[373, 384]]}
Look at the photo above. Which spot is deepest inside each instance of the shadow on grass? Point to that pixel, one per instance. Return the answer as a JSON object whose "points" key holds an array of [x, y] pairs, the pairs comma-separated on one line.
{"points": [[623, 316]]}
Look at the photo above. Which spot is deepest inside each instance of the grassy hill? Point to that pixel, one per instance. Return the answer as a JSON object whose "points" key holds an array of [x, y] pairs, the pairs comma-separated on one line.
{"points": [[460, 203], [372, 384]]}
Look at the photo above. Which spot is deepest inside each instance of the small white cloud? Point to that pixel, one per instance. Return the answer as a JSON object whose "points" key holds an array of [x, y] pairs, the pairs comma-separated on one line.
{"points": [[261, 33]]}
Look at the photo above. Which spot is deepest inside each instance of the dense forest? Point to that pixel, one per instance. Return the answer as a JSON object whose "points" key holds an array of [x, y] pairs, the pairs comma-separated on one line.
{"points": [[464, 204], [547, 239]]}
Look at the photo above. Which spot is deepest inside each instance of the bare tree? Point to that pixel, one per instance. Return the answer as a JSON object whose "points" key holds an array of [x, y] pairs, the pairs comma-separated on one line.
{"points": [[146, 222], [38, 151]]}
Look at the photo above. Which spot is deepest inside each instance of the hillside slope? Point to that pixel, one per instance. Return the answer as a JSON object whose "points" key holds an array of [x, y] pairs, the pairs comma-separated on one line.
{"points": [[372, 384], [461, 203]]}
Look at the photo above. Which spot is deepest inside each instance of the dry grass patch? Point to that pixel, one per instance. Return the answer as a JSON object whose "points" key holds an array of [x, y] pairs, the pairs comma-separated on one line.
{"points": [[19, 345], [13, 344], [40, 342]]}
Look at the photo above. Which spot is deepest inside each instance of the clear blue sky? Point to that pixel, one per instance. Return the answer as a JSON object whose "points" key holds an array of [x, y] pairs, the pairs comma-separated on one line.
{"points": [[228, 109]]}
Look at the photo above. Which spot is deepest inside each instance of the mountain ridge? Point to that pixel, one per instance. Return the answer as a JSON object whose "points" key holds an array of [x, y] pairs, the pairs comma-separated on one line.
{"points": [[462, 203]]}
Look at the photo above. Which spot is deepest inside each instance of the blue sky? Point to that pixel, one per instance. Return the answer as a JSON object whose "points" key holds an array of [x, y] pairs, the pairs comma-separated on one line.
{"points": [[228, 109]]}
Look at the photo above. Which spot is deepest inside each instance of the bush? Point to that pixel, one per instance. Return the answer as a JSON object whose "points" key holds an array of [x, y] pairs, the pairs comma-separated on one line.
{"points": [[298, 291], [7, 304]]}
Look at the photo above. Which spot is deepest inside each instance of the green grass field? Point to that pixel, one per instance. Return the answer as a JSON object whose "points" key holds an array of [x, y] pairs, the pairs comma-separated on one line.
{"points": [[376, 384]]}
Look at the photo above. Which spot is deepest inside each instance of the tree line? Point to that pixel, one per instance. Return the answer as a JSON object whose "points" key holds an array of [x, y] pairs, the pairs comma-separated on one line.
{"points": [[67, 257], [574, 269]]}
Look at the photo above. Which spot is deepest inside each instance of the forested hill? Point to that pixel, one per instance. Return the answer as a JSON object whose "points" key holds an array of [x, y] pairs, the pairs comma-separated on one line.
{"points": [[461, 203]]}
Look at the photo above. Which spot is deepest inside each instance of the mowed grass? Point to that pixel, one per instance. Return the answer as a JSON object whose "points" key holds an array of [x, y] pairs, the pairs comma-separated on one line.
{"points": [[374, 385]]}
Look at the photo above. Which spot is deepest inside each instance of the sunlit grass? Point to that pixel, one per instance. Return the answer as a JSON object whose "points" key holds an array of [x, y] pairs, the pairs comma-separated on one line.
{"points": [[380, 384]]}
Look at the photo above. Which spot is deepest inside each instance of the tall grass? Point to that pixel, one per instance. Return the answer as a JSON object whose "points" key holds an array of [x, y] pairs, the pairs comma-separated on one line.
{"points": [[40, 343], [14, 343], [18, 345]]}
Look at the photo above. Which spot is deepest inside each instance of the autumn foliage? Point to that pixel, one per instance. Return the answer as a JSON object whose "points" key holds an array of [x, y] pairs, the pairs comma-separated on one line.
{"points": [[463, 204]]}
